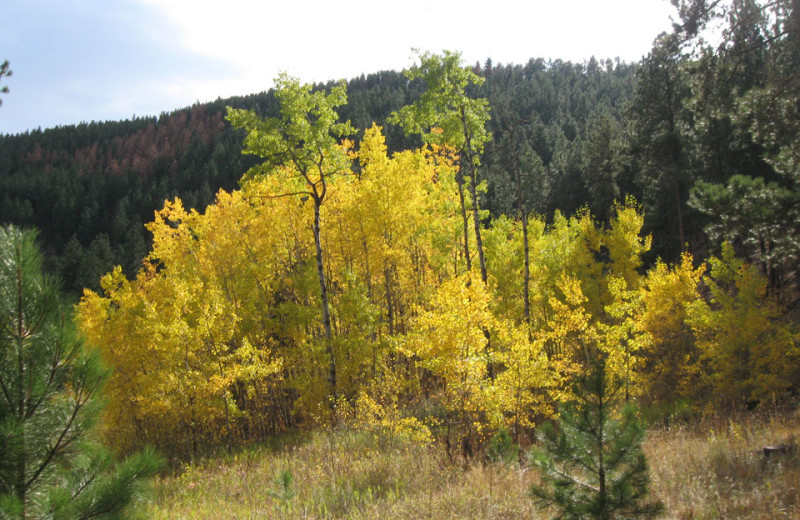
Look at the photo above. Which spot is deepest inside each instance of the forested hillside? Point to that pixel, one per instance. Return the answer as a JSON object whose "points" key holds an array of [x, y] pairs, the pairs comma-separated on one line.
{"points": [[91, 188], [578, 135], [702, 134]]}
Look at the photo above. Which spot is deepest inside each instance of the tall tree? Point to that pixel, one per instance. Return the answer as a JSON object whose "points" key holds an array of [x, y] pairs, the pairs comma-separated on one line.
{"points": [[50, 384], [657, 114], [512, 154], [446, 115], [301, 146], [746, 111], [604, 161]]}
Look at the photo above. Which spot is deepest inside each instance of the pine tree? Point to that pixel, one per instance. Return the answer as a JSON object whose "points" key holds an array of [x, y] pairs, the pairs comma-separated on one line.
{"points": [[5, 72], [50, 463], [592, 465]]}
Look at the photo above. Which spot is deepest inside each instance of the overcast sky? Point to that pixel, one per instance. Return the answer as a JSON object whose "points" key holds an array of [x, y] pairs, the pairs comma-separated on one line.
{"points": [[97, 60]]}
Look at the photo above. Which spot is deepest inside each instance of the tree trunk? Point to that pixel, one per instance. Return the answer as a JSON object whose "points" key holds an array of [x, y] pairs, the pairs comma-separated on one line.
{"points": [[526, 253], [326, 312], [796, 19], [601, 442], [367, 272], [678, 204], [464, 219], [389, 306], [467, 159], [676, 154], [473, 192]]}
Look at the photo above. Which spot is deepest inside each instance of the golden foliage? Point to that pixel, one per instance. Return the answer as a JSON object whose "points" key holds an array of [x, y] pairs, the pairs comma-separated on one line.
{"points": [[219, 338]]}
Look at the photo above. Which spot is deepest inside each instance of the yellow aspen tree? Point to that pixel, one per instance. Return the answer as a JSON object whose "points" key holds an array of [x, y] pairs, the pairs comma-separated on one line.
{"points": [[119, 322], [661, 317], [747, 352], [404, 209], [622, 342], [449, 344], [458, 120], [569, 335], [523, 389], [564, 248], [625, 243], [301, 147], [181, 336], [504, 257], [396, 233], [195, 318]]}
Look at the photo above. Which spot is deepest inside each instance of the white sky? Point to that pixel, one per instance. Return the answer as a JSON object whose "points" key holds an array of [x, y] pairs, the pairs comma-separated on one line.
{"points": [[85, 60]]}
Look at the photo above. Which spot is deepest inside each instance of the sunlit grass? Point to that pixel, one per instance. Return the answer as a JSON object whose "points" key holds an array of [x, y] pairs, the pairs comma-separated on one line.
{"points": [[716, 469], [342, 475], [713, 469]]}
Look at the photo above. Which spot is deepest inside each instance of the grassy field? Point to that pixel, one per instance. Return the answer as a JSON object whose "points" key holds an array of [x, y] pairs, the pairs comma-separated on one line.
{"points": [[713, 469], [718, 469]]}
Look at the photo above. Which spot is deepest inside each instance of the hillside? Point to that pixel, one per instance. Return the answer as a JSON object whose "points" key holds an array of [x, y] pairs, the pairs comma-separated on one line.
{"points": [[90, 188]]}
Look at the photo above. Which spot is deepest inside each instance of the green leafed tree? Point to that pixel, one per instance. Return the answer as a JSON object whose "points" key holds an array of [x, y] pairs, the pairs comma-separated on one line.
{"points": [[301, 147], [592, 464], [658, 116], [50, 463], [445, 114], [604, 162], [762, 219]]}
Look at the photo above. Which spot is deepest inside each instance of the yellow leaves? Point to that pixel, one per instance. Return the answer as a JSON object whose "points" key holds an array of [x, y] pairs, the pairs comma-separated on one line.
{"points": [[393, 228], [451, 341], [625, 244], [221, 329], [114, 281], [524, 389], [254, 365], [668, 291], [372, 152], [746, 350], [568, 334], [185, 338], [380, 411], [225, 318], [171, 233], [452, 328]]}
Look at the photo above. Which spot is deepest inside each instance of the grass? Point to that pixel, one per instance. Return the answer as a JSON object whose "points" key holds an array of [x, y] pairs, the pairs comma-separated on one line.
{"points": [[717, 469], [713, 469]]}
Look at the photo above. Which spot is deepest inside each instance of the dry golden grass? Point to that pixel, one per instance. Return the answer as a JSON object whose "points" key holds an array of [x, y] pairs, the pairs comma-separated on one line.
{"points": [[342, 475], [716, 469], [713, 469]]}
